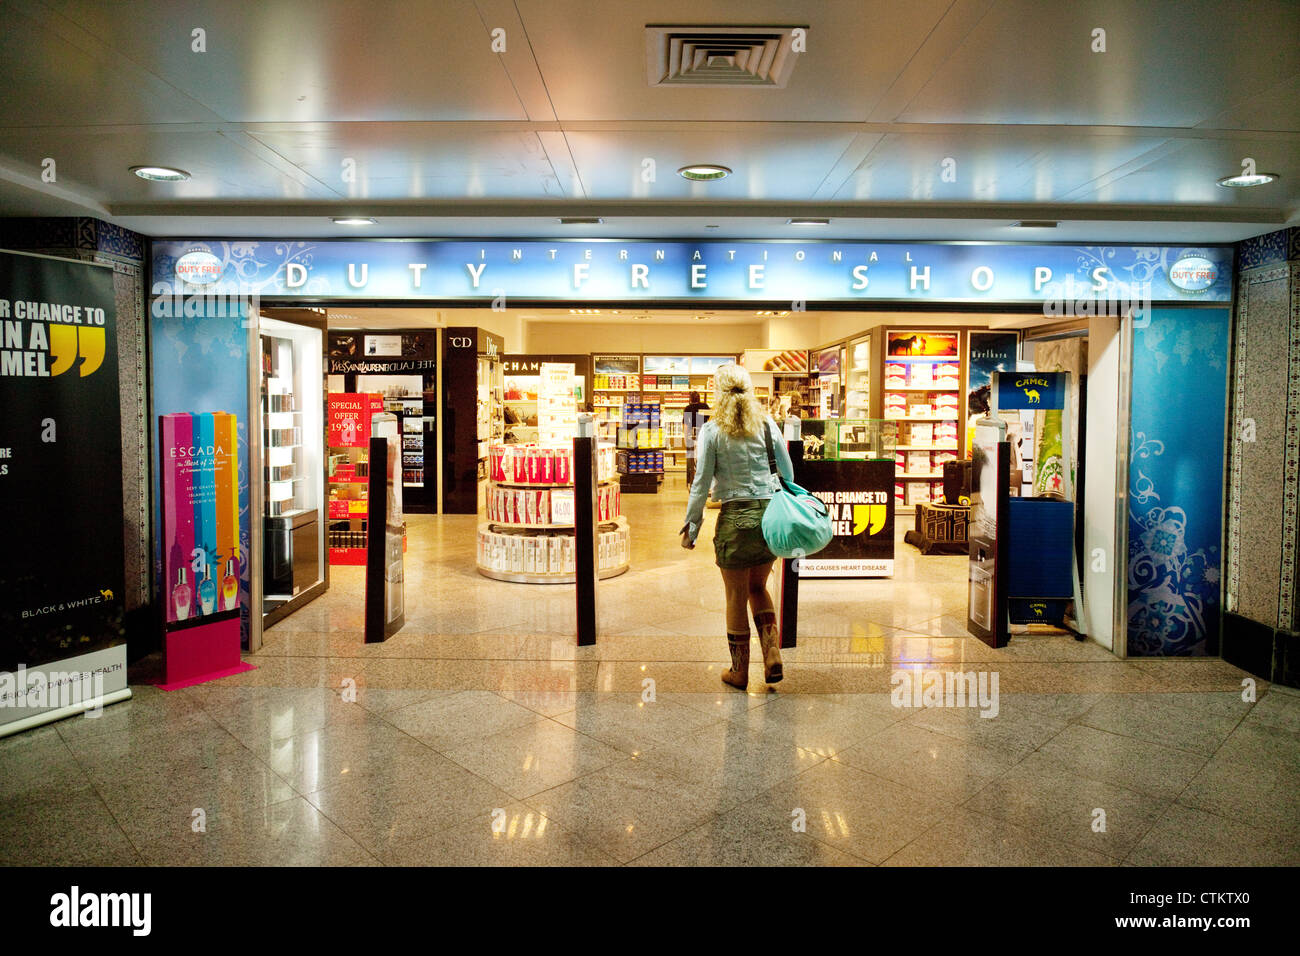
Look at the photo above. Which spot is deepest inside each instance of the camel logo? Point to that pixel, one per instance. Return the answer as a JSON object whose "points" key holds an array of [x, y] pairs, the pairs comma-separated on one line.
{"points": [[869, 518], [1032, 395], [1038, 608], [67, 342]]}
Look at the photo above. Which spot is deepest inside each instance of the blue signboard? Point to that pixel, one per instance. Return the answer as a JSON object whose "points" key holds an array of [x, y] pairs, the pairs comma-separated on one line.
{"points": [[1035, 390], [1066, 280]]}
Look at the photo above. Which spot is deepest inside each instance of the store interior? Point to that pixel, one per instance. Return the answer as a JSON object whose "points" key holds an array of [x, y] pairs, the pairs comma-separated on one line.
{"points": [[486, 404]]}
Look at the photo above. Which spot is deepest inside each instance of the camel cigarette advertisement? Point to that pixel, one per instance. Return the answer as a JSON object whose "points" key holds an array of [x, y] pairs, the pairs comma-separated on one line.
{"points": [[62, 643], [860, 498]]}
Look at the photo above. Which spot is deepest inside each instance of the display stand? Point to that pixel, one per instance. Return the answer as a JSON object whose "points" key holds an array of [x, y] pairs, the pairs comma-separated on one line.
{"points": [[385, 574], [528, 537], [615, 380], [1043, 571], [640, 458], [201, 551], [922, 392], [852, 473], [400, 365], [348, 423], [986, 614]]}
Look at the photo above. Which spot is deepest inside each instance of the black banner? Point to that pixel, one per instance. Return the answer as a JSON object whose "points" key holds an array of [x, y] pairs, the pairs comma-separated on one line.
{"points": [[61, 577], [860, 497]]}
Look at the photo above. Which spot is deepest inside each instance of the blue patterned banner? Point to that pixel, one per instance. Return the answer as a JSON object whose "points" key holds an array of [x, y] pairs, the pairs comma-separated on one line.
{"points": [[1175, 519], [1068, 280]]}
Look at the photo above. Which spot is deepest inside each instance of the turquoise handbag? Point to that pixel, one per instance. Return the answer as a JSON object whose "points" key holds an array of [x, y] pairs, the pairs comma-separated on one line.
{"points": [[796, 522]]}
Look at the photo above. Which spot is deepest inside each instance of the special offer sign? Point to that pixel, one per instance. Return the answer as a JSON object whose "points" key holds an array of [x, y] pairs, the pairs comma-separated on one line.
{"points": [[349, 417]]}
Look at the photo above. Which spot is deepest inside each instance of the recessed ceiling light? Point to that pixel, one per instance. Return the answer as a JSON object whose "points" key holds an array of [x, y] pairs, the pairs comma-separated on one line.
{"points": [[807, 222], [703, 172], [580, 220], [1253, 179], [584, 312], [161, 174], [353, 221]]}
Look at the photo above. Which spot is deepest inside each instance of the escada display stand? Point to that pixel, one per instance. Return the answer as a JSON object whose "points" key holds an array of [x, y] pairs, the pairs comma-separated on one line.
{"points": [[202, 558]]}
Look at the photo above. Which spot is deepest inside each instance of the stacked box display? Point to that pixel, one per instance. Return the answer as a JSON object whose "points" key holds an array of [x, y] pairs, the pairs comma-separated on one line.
{"points": [[548, 554]]}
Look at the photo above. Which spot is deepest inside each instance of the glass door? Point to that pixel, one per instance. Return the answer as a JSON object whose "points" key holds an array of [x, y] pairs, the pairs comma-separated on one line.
{"points": [[857, 399], [292, 437]]}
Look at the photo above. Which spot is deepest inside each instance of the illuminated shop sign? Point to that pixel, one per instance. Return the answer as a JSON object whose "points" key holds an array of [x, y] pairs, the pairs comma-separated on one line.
{"points": [[488, 271]]}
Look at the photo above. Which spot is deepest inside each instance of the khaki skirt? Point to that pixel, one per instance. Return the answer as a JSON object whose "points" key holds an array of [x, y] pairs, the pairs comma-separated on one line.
{"points": [[738, 538]]}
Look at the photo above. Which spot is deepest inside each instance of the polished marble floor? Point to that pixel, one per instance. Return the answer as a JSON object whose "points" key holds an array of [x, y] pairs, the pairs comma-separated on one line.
{"points": [[480, 734]]}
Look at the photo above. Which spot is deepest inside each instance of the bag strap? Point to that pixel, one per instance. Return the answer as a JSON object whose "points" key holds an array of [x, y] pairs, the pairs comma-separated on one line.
{"points": [[771, 454]]}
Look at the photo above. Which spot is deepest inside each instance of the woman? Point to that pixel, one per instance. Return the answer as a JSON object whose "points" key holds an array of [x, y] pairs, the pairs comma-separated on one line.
{"points": [[731, 455]]}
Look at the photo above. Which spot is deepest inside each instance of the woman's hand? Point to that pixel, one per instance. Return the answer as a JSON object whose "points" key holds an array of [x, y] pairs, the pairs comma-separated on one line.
{"points": [[687, 543]]}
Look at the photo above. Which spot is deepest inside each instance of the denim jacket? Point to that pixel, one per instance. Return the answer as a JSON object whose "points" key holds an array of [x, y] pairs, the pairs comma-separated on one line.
{"points": [[737, 468]]}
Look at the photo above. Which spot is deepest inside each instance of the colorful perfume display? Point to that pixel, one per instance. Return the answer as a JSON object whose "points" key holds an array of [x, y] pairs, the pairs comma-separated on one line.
{"points": [[200, 504]]}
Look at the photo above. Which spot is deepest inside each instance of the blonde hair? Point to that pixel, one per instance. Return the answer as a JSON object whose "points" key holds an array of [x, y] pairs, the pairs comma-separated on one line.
{"points": [[736, 409]]}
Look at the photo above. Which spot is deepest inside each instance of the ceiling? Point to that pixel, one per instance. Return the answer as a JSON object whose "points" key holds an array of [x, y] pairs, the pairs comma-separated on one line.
{"points": [[298, 110]]}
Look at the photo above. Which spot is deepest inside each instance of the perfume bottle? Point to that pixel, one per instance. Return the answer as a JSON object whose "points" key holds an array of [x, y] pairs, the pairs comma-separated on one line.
{"points": [[229, 587], [208, 592], [182, 595]]}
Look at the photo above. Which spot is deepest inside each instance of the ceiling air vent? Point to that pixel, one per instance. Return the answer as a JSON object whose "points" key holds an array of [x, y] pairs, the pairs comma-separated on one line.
{"points": [[720, 56]]}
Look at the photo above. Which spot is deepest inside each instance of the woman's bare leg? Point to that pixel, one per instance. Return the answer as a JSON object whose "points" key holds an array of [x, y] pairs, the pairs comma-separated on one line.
{"points": [[759, 599], [736, 585]]}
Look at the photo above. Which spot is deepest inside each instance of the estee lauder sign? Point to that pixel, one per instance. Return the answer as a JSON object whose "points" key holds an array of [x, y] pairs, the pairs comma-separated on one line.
{"points": [[696, 271]]}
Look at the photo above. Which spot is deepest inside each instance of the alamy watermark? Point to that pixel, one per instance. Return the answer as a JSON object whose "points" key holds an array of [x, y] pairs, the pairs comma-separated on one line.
{"points": [[179, 299], [922, 688], [1071, 300], [39, 689]]}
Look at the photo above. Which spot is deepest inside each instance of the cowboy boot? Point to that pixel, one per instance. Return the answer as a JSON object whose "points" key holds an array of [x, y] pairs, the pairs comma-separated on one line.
{"points": [[738, 676], [770, 642]]}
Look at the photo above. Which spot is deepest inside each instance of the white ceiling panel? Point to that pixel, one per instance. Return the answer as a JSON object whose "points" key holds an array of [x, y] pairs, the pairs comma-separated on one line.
{"points": [[98, 165], [1035, 166], [305, 60], [1167, 62], [452, 137], [593, 57], [55, 72], [1191, 170], [418, 160], [768, 161], [1274, 109]]}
